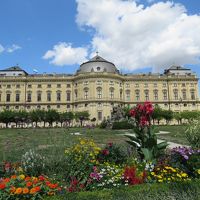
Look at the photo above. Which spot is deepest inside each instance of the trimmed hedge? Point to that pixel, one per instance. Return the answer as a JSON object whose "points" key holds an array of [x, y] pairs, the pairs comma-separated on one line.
{"points": [[122, 125], [172, 191]]}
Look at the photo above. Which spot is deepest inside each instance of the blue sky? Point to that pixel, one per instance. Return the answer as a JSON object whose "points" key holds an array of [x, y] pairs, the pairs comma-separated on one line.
{"points": [[47, 35]]}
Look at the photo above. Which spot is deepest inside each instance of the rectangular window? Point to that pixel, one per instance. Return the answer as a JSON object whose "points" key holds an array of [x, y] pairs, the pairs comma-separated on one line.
{"points": [[48, 96], [58, 96], [164, 94], [68, 96], [100, 116], [86, 94], [175, 84], [8, 86], [39, 97], [8, 97], [17, 99], [17, 86], [29, 97], [137, 85], [137, 95], [155, 85], [39, 86], [49, 85], [58, 85], [111, 94], [183, 84], [68, 85], [29, 86]]}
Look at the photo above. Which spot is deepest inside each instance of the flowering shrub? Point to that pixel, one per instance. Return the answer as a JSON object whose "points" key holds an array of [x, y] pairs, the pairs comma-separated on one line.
{"points": [[81, 158], [144, 139], [112, 153], [187, 159], [106, 176], [132, 177], [33, 163], [25, 187], [168, 174], [8, 168]]}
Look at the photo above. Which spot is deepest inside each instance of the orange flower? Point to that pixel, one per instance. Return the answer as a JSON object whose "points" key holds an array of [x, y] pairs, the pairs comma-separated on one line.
{"points": [[12, 189], [53, 186], [34, 190], [27, 178], [13, 177], [29, 184], [18, 191], [2, 186], [25, 190], [37, 188]]}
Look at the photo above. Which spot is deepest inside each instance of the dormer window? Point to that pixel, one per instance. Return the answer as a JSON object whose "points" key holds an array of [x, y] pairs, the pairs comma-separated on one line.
{"points": [[98, 68]]}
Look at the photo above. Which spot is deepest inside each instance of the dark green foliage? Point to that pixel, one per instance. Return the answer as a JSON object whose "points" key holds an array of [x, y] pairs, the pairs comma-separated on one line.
{"points": [[103, 124], [122, 125]]}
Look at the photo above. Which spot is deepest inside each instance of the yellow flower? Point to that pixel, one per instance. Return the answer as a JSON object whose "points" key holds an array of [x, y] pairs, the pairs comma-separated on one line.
{"points": [[153, 173], [184, 175], [198, 171], [22, 176], [160, 180]]}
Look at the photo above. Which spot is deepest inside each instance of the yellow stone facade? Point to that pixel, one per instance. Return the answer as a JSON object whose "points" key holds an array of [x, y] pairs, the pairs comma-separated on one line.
{"points": [[97, 91]]}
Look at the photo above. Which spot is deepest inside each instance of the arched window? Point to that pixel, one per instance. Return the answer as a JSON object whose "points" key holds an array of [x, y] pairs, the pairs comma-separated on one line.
{"points": [[111, 90], [99, 93], [86, 91]]}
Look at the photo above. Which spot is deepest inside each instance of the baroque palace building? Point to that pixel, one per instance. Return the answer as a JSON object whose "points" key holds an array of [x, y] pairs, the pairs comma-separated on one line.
{"points": [[96, 87]]}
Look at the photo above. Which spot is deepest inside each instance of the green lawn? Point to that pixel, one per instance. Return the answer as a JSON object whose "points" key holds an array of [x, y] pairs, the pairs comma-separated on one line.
{"points": [[15, 142]]}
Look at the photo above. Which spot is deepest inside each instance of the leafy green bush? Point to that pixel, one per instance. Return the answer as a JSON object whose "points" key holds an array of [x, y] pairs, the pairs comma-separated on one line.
{"points": [[103, 124], [122, 125], [193, 133]]}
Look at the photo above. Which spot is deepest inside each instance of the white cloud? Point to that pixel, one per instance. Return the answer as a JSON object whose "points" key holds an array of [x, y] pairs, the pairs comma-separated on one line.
{"points": [[133, 36], [1, 48], [64, 54], [13, 48], [9, 49]]}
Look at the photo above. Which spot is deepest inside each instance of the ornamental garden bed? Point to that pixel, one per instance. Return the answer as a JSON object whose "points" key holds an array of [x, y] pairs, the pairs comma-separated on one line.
{"points": [[138, 169]]}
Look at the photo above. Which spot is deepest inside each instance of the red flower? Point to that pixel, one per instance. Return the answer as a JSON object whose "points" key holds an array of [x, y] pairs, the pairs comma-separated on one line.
{"points": [[2, 186], [110, 144], [132, 113], [130, 175], [148, 107], [143, 121], [105, 152], [42, 178]]}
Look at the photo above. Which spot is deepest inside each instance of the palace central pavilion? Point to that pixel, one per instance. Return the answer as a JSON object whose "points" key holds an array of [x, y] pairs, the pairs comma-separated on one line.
{"points": [[96, 87]]}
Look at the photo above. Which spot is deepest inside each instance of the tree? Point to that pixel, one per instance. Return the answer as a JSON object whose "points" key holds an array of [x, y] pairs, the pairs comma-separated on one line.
{"points": [[7, 116], [167, 115], [157, 114], [52, 116], [178, 116]]}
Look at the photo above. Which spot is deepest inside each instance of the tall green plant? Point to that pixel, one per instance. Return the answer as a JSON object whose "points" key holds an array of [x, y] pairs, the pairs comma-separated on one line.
{"points": [[145, 140]]}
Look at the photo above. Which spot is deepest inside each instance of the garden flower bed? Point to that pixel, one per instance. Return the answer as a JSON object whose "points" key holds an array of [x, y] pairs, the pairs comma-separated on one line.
{"points": [[87, 169]]}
